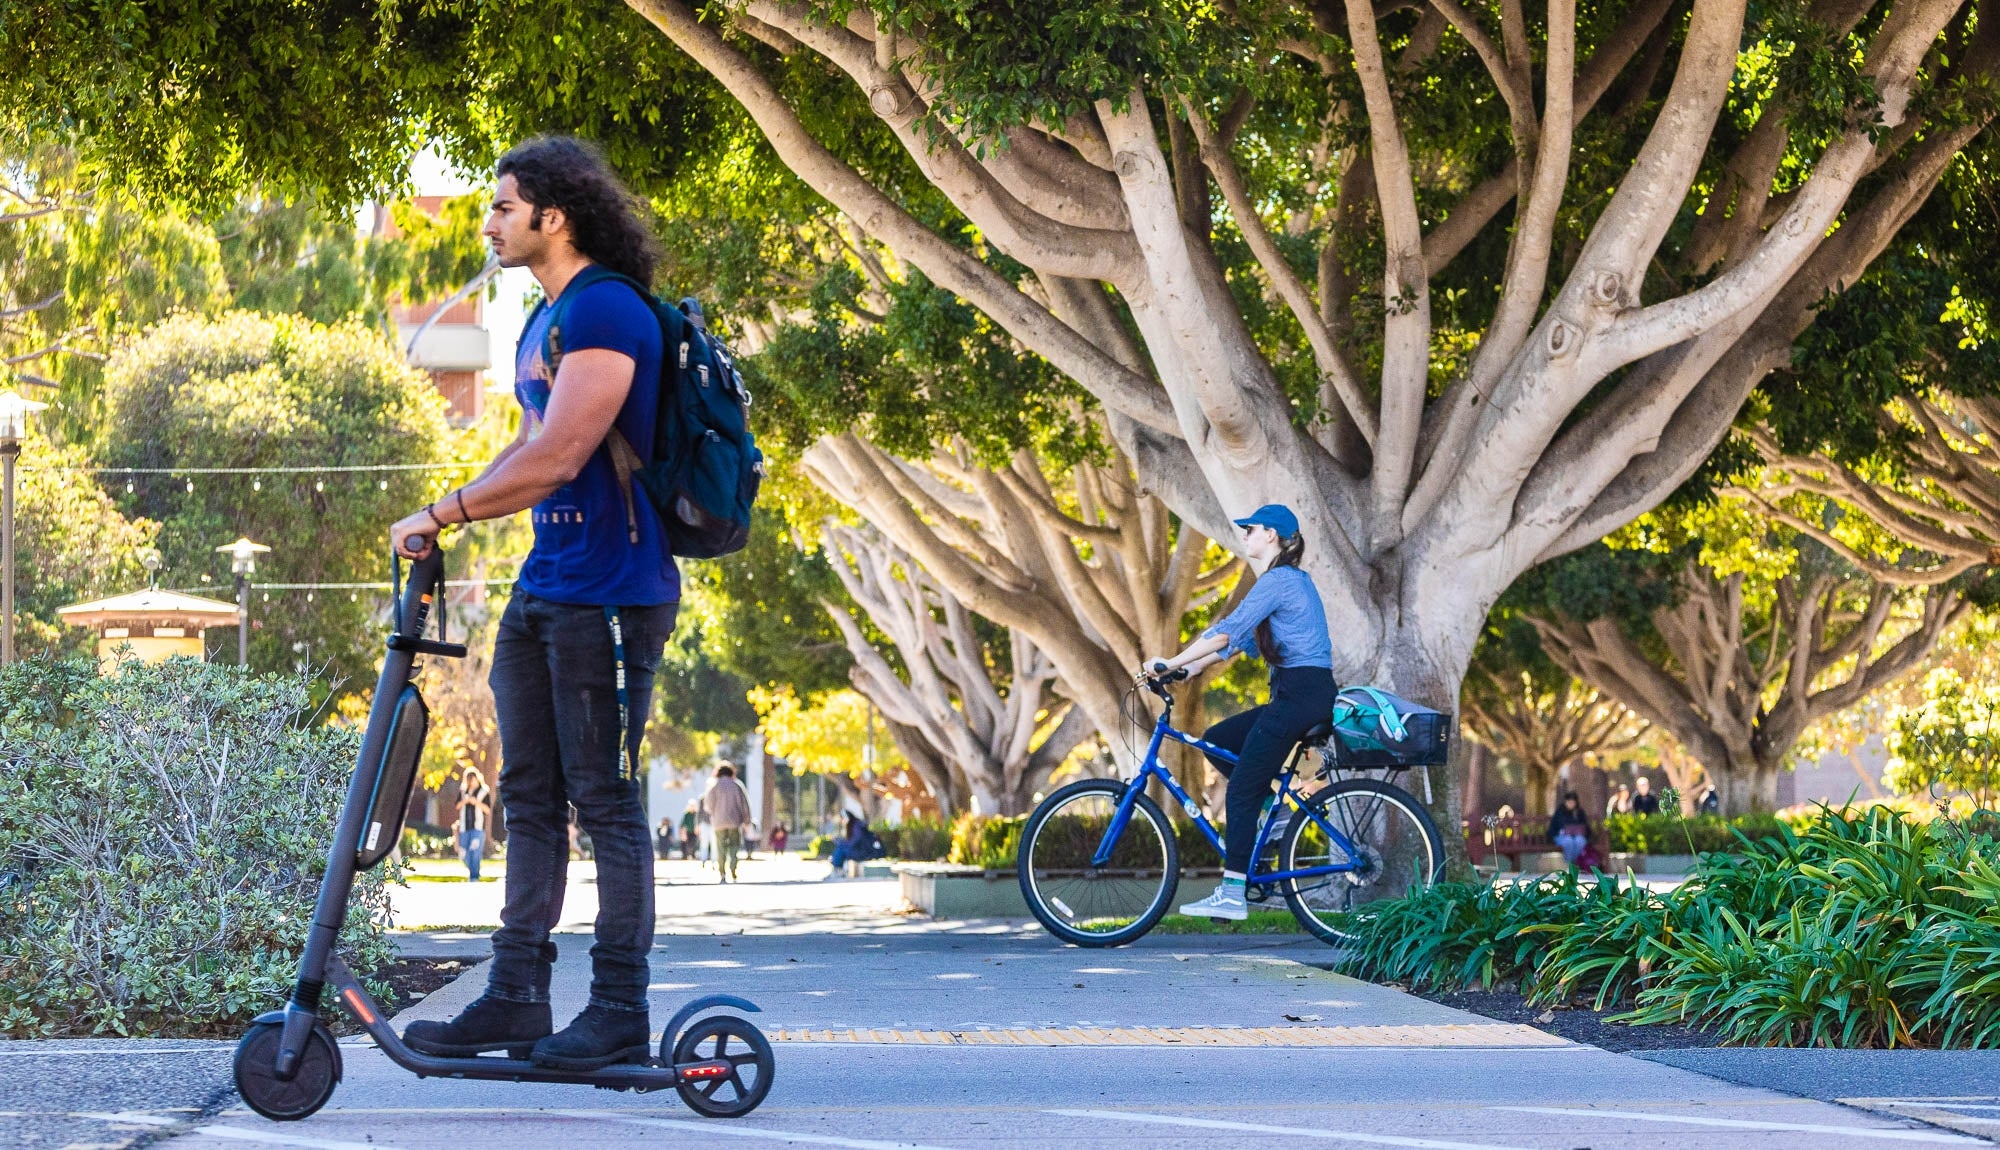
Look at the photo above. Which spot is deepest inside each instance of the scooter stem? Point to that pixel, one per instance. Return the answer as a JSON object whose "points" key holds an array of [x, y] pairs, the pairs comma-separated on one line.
{"points": [[426, 581]]}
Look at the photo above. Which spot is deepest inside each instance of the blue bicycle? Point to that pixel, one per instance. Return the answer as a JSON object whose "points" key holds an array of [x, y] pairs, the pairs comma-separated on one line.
{"points": [[1100, 861]]}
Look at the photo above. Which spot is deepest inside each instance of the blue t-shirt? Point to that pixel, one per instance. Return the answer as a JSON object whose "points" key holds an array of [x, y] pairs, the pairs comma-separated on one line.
{"points": [[583, 552], [1285, 596]]}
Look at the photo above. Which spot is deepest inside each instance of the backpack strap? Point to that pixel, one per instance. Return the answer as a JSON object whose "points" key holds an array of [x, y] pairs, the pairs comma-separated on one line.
{"points": [[625, 459]]}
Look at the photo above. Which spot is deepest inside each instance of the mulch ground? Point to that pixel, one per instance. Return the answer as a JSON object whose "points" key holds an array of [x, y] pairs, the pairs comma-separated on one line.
{"points": [[411, 980], [1577, 1023]]}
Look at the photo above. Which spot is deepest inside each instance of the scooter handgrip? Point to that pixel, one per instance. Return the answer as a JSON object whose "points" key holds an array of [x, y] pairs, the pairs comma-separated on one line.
{"points": [[416, 542]]}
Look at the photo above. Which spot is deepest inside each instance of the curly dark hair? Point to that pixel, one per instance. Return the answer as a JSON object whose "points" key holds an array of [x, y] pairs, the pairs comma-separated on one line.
{"points": [[604, 218]]}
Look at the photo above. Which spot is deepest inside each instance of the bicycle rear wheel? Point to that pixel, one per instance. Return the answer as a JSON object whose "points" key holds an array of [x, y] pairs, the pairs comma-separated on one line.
{"points": [[1097, 906], [1400, 852]]}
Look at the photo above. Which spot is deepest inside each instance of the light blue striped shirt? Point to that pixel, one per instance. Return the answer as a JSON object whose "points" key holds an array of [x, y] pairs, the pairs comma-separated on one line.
{"points": [[1286, 596]]}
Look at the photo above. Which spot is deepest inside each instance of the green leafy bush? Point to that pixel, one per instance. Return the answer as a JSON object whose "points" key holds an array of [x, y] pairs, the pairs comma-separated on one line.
{"points": [[420, 841], [994, 842], [1665, 834], [821, 847], [916, 840], [162, 836], [989, 841], [1863, 929]]}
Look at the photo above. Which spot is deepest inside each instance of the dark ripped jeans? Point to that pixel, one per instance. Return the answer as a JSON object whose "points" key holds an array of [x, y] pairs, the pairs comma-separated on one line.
{"points": [[555, 692], [1261, 737]]}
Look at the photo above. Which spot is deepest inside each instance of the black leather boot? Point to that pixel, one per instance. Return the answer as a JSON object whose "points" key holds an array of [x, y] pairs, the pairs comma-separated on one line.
{"points": [[488, 1024], [596, 1039]]}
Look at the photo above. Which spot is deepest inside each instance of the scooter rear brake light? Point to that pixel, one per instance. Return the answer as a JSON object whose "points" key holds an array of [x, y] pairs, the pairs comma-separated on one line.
{"points": [[701, 1071]]}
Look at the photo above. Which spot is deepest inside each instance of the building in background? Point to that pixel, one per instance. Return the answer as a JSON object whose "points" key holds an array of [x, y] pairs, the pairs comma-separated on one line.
{"points": [[457, 349], [151, 626]]}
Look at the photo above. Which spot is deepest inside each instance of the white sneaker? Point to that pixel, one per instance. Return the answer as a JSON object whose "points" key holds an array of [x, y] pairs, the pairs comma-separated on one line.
{"points": [[1224, 902]]}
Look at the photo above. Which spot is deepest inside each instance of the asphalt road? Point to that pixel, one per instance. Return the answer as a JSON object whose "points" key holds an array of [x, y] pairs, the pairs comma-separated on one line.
{"points": [[1386, 1070], [897, 1031]]}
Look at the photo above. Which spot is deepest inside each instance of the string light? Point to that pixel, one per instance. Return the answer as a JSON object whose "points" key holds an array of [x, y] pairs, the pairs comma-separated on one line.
{"points": [[319, 485], [128, 487], [190, 485], [256, 485]]}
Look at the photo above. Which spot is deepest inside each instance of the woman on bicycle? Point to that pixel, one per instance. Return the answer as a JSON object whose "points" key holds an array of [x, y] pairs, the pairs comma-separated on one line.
{"points": [[1283, 620]]}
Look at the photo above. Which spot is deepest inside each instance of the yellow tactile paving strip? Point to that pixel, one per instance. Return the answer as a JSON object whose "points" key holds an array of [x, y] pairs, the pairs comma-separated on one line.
{"points": [[1450, 1034]]}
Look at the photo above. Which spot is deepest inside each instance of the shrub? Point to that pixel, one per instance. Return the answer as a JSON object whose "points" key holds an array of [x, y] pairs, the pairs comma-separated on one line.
{"points": [[1665, 834], [821, 847], [1863, 929], [162, 836], [916, 840], [994, 842], [989, 841], [423, 841]]}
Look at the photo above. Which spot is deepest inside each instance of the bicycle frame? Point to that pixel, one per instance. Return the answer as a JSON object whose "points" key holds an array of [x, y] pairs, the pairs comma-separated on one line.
{"points": [[1163, 730]]}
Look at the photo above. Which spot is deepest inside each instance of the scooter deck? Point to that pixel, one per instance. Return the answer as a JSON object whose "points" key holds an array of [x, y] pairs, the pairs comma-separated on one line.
{"points": [[651, 1075]]}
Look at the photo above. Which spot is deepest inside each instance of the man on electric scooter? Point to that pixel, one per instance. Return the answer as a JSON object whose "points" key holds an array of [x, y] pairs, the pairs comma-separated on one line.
{"points": [[588, 620]]}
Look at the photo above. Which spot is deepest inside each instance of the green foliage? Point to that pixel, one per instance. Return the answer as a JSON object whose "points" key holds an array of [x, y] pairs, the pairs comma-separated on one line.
{"points": [[916, 839], [253, 391], [1863, 929], [71, 544], [987, 841], [759, 611], [994, 842], [1666, 834], [162, 836], [1950, 740]]}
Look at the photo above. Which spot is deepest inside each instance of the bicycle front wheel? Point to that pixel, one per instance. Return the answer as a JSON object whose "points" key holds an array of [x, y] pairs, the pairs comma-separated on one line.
{"points": [[1386, 839], [1090, 905]]}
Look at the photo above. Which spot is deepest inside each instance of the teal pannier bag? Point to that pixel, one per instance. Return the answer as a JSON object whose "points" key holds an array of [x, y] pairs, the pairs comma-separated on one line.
{"points": [[1374, 730]]}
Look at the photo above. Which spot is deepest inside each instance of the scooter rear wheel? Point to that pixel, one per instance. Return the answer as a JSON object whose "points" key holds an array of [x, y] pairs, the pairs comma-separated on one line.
{"points": [[262, 1091], [732, 1040]]}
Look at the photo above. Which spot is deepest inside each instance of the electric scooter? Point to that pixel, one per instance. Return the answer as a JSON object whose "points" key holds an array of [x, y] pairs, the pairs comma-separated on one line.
{"points": [[288, 1065]]}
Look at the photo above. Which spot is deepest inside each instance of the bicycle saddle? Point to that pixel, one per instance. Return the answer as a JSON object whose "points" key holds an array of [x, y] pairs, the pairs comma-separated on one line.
{"points": [[1319, 733]]}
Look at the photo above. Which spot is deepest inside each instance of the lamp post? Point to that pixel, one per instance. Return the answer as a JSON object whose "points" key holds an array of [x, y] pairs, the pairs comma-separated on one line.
{"points": [[242, 563], [14, 412]]}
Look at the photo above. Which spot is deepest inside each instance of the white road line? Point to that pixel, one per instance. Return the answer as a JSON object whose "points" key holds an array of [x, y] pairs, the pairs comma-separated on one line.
{"points": [[714, 1128], [1293, 1131], [273, 1138], [218, 1048], [128, 1117], [1749, 1124]]}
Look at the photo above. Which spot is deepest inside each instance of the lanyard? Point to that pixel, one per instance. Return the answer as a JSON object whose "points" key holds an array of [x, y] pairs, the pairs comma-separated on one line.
{"points": [[628, 757]]}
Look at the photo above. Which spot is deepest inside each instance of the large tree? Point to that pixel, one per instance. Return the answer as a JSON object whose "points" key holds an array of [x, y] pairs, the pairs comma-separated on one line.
{"points": [[974, 708], [1523, 707], [1468, 288], [1732, 636]]}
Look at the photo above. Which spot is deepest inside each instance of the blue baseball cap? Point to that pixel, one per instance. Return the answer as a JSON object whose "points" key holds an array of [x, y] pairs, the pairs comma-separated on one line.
{"points": [[1276, 516]]}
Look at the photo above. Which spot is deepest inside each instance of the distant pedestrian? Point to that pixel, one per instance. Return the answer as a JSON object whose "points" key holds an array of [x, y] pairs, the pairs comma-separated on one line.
{"points": [[1711, 802], [856, 845], [664, 839], [1621, 802], [727, 806], [475, 807], [1569, 828], [1645, 802], [779, 838], [690, 836]]}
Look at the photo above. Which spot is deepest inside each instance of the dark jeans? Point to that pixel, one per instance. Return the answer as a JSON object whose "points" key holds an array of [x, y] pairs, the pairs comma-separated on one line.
{"points": [[1261, 737], [555, 692]]}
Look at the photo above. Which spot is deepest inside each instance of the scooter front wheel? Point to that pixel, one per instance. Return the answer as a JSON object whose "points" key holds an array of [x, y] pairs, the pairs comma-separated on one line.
{"points": [[724, 1066], [308, 1090]]}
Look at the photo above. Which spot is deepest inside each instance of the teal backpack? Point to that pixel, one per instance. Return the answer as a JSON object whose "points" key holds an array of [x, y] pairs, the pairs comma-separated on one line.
{"points": [[702, 470], [1374, 730]]}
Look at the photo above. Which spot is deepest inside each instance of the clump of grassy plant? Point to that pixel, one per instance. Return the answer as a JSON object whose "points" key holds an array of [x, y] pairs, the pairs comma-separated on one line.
{"points": [[1863, 929]]}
